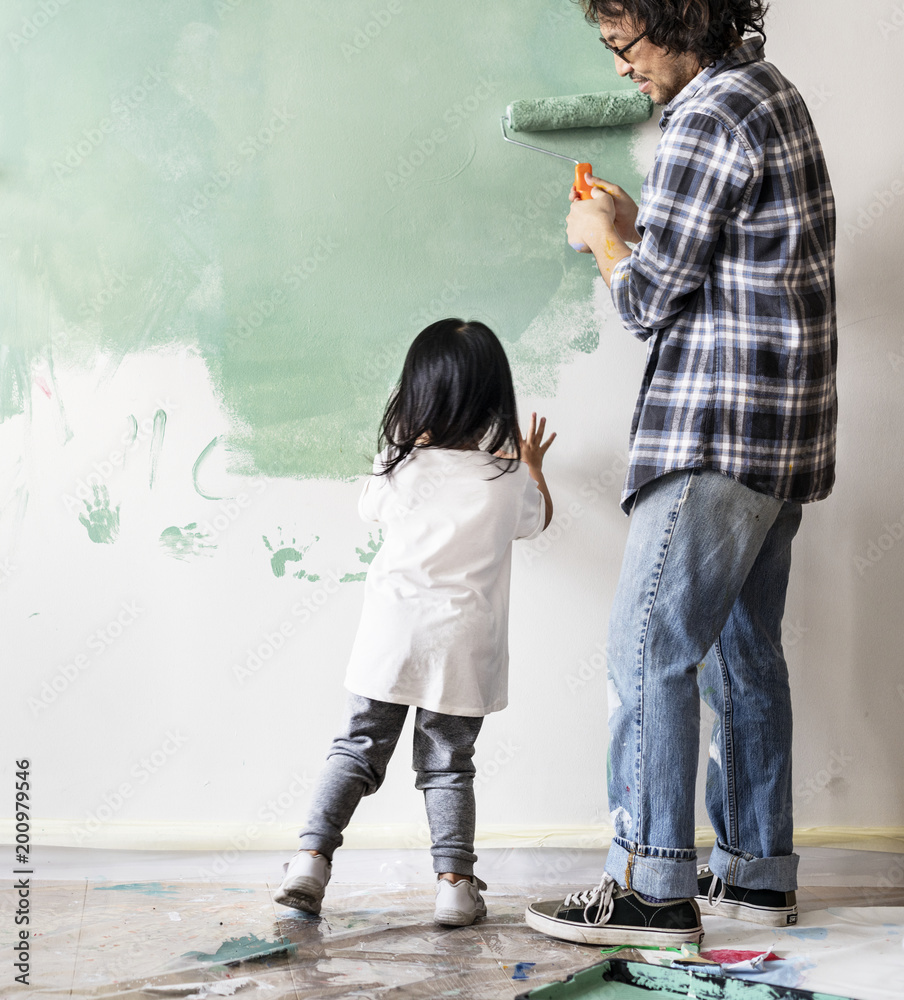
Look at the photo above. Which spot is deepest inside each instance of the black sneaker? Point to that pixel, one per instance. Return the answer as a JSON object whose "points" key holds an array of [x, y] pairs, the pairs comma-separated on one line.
{"points": [[759, 906], [608, 914]]}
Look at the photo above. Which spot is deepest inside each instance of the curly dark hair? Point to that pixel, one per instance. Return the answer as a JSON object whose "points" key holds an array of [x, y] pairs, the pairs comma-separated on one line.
{"points": [[706, 28]]}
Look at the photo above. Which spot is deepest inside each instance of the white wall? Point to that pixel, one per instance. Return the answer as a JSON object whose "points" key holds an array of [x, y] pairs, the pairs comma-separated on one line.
{"points": [[245, 742]]}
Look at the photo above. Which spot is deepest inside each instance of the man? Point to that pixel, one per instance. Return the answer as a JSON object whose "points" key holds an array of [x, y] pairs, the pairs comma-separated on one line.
{"points": [[730, 282]]}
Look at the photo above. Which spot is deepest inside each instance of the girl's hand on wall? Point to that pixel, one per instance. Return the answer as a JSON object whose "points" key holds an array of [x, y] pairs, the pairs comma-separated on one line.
{"points": [[533, 447]]}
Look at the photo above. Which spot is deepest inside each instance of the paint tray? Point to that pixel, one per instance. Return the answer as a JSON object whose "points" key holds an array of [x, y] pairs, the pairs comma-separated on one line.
{"points": [[617, 979]]}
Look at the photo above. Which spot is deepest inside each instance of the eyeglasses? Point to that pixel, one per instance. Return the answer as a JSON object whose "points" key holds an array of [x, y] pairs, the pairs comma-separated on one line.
{"points": [[620, 53]]}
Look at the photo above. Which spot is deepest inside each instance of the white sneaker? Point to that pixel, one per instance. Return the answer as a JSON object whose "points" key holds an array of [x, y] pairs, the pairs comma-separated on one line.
{"points": [[304, 882], [459, 903]]}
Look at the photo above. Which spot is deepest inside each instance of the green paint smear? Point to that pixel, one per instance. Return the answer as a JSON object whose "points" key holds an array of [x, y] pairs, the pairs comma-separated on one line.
{"points": [[176, 176], [186, 542], [100, 520], [145, 888], [373, 547], [287, 554], [365, 556], [243, 949]]}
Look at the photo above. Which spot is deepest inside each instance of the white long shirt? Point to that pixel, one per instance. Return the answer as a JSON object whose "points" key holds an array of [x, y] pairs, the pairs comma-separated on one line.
{"points": [[434, 627]]}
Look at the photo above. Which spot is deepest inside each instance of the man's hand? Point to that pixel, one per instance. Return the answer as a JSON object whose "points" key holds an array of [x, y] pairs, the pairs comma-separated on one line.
{"points": [[590, 221], [593, 225], [625, 207]]}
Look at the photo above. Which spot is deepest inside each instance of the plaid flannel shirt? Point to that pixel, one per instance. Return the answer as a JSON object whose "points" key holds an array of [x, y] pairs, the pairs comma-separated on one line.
{"points": [[732, 285]]}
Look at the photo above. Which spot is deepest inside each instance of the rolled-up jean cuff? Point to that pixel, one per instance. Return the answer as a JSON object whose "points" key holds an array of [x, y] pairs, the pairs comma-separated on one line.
{"points": [[660, 872], [748, 872]]}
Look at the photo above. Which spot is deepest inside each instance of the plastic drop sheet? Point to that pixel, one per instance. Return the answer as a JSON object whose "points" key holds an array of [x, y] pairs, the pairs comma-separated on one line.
{"points": [[201, 939]]}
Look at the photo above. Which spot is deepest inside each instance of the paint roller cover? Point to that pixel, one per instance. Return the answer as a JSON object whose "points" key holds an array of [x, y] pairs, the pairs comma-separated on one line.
{"points": [[612, 107]]}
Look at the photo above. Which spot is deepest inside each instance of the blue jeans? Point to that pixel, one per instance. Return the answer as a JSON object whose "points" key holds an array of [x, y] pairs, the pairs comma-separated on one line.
{"points": [[697, 613]]}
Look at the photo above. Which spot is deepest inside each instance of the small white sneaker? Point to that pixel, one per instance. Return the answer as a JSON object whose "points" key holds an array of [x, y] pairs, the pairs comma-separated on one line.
{"points": [[304, 882], [459, 903]]}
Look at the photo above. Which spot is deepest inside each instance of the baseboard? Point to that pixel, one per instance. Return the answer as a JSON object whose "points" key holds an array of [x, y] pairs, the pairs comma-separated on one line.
{"points": [[281, 836]]}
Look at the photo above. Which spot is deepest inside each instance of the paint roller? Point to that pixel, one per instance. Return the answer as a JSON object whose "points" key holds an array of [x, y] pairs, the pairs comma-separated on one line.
{"points": [[544, 114]]}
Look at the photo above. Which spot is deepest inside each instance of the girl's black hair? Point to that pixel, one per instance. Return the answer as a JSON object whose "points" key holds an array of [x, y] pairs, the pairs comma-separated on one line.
{"points": [[455, 392]]}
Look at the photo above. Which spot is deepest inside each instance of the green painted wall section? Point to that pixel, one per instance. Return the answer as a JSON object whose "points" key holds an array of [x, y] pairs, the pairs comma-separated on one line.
{"points": [[296, 188]]}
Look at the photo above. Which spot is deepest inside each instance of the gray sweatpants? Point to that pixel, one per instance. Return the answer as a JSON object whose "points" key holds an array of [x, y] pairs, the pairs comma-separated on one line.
{"points": [[356, 765]]}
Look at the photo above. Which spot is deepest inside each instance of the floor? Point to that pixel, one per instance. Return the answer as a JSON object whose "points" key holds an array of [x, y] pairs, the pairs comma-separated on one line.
{"points": [[144, 924]]}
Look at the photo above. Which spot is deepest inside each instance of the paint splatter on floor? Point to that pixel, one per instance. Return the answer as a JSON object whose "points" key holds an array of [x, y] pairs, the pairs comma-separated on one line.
{"points": [[145, 888], [243, 949], [99, 518]]}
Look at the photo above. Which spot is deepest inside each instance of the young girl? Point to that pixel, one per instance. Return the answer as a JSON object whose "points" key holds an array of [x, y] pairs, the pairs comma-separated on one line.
{"points": [[451, 494]]}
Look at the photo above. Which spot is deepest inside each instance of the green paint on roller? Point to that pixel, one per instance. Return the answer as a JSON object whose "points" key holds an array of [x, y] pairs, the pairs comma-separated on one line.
{"points": [[243, 949], [612, 107]]}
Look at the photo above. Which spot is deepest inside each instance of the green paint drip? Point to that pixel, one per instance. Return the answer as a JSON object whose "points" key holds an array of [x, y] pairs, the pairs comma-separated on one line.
{"points": [[186, 542], [243, 949], [353, 577], [198, 463], [133, 434], [156, 444], [101, 521]]}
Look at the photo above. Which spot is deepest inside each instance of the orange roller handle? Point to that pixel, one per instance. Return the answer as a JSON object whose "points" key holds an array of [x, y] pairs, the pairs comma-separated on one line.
{"points": [[581, 186]]}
